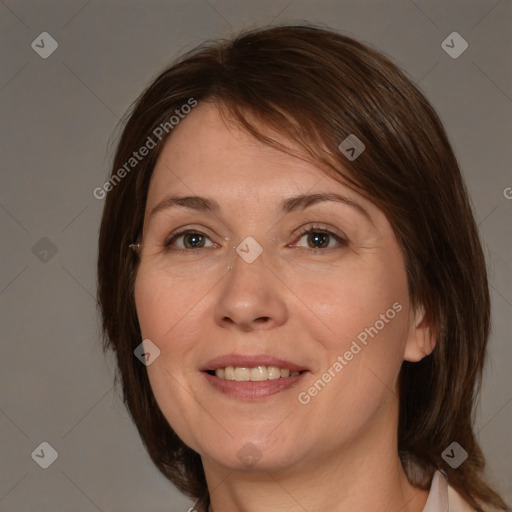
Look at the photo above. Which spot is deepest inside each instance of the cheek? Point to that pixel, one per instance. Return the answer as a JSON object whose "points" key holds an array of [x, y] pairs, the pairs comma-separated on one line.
{"points": [[166, 311], [366, 312], [357, 297], [165, 303], [169, 315], [174, 313], [152, 297]]}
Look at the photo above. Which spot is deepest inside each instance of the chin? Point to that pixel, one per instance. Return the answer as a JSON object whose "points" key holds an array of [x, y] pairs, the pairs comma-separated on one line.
{"points": [[253, 454]]}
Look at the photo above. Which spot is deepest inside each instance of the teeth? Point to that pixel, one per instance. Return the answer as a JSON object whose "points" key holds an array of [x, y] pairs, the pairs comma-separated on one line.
{"points": [[229, 373], [259, 373], [273, 372], [242, 374]]}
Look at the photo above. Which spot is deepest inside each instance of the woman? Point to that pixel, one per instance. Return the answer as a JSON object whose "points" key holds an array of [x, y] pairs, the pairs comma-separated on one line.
{"points": [[287, 233]]}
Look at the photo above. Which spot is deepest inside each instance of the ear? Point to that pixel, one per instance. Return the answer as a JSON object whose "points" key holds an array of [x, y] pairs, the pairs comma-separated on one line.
{"points": [[421, 341]]}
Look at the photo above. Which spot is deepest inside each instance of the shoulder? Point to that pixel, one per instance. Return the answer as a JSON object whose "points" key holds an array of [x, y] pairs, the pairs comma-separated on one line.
{"points": [[443, 497], [201, 505], [457, 503]]}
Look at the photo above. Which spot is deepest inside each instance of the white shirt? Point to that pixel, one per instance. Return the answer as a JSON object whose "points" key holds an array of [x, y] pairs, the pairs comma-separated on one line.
{"points": [[444, 498]]}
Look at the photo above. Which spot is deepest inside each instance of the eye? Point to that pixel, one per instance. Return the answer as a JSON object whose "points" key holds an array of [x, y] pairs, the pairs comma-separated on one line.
{"points": [[319, 238], [188, 239]]}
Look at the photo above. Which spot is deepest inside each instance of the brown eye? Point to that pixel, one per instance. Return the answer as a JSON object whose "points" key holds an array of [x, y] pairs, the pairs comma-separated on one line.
{"points": [[319, 238], [193, 240], [188, 240]]}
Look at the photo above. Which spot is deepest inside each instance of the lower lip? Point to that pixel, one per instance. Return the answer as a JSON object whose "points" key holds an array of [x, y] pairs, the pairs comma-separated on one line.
{"points": [[252, 389]]}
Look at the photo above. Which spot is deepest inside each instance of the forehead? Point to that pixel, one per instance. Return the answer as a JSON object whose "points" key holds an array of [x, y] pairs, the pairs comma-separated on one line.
{"points": [[211, 157], [208, 150]]}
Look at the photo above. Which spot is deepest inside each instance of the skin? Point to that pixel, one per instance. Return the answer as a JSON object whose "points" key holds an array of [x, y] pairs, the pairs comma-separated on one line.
{"points": [[297, 302]]}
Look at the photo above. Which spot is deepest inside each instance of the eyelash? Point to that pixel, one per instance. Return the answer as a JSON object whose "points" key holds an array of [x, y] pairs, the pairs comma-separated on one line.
{"points": [[312, 229], [318, 229], [174, 236]]}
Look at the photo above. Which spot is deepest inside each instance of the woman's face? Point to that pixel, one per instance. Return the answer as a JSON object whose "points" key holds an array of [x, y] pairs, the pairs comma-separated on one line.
{"points": [[287, 284]]}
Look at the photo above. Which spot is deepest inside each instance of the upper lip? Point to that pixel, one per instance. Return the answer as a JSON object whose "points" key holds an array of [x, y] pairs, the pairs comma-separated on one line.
{"points": [[250, 361]]}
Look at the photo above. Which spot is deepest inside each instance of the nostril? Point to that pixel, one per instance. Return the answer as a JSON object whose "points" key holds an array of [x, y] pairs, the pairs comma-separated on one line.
{"points": [[262, 319]]}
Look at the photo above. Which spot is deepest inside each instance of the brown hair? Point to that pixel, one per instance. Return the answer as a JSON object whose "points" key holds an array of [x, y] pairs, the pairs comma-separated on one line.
{"points": [[317, 87]]}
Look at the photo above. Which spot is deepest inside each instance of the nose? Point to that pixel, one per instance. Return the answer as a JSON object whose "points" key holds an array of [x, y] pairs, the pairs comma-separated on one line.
{"points": [[251, 298]]}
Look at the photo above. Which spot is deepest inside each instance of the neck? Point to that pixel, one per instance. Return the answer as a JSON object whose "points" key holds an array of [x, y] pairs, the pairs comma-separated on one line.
{"points": [[364, 474]]}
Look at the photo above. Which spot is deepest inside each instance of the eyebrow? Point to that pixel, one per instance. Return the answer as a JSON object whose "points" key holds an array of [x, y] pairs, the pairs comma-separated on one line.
{"points": [[295, 203], [304, 201]]}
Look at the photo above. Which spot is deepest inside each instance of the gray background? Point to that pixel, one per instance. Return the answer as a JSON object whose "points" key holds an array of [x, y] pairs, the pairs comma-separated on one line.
{"points": [[58, 116]]}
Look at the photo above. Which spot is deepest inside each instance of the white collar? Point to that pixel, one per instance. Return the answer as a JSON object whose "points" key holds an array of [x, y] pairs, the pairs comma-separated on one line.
{"points": [[437, 500], [444, 498]]}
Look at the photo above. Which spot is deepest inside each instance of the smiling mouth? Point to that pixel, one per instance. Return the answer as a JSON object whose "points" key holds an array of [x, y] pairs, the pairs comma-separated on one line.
{"points": [[255, 374]]}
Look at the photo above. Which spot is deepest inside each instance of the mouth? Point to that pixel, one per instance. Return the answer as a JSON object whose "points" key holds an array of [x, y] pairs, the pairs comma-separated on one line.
{"points": [[251, 377], [258, 373]]}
